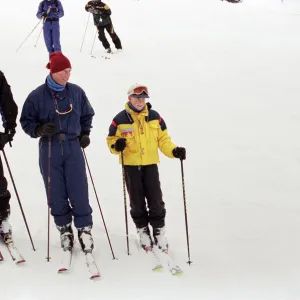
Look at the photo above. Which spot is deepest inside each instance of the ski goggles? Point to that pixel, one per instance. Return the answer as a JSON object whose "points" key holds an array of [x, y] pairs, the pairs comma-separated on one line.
{"points": [[140, 90]]}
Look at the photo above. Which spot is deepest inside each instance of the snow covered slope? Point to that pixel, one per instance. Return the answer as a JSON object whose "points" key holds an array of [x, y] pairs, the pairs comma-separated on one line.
{"points": [[225, 78]]}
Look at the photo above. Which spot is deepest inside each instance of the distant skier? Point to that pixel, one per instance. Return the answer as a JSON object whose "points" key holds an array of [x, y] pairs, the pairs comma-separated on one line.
{"points": [[233, 1], [60, 114], [101, 13], [9, 112], [51, 11], [139, 131]]}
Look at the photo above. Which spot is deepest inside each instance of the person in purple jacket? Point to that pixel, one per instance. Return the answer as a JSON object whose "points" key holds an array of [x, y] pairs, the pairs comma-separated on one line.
{"points": [[51, 11]]}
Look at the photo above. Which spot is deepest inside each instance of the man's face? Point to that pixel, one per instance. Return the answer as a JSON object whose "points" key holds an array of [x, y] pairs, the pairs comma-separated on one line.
{"points": [[62, 77]]}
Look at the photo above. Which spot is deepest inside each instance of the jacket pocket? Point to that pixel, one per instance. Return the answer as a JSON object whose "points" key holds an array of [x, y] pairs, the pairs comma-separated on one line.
{"points": [[154, 128]]}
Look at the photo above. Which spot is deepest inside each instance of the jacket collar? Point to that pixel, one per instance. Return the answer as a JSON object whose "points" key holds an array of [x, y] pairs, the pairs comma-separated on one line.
{"points": [[144, 113]]}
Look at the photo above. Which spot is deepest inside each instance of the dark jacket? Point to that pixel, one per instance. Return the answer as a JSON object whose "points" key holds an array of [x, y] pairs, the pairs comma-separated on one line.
{"points": [[8, 107], [101, 12], [40, 108]]}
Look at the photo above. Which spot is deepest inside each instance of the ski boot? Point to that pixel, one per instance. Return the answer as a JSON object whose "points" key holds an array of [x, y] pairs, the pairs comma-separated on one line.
{"points": [[5, 227], [85, 239], [145, 238], [108, 50], [160, 239], [66, 237]]}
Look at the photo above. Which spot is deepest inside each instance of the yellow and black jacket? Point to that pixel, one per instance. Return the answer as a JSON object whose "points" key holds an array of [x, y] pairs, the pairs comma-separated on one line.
{"points": [[101, 13], [145, 132]]}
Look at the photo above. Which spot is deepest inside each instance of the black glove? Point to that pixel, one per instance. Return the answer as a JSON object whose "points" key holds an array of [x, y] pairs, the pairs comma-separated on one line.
{"points": [[84, 141], [120, 144], [44, 14], [3, 140], [179, 152], [10, 133], [47, 129], [54, 9]]}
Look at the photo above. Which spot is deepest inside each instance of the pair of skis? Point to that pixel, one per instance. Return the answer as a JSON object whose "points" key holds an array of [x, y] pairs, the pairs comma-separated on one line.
{"points": [[90, 263], [160, 258]]}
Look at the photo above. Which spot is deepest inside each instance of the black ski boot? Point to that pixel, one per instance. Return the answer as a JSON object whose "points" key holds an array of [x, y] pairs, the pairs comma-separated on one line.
{"points": [[66, 237], [85, 239], [160, 238], [145, 238], [5, 227]]}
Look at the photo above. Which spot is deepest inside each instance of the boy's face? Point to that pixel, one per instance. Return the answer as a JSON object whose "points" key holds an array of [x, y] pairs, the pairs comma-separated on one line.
{"points": [[138, 103]]}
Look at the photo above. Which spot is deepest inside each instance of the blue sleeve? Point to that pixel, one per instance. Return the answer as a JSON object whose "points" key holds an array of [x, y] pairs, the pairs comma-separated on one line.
{"points": [[60, 12], [29, 118], [40, 11], [87, 113]]}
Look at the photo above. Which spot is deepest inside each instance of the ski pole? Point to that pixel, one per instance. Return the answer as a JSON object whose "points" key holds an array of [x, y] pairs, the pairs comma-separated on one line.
{"points": [[44, 20], [98, 203], [185, 213], [125, 202], [93, 43], [17, 195], [38, 37], [29, 34], [87, 23], [48, 196]]}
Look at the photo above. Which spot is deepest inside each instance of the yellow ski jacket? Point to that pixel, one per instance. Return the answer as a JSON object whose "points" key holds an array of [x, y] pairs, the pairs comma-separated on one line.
{"points": [[145, 132]]}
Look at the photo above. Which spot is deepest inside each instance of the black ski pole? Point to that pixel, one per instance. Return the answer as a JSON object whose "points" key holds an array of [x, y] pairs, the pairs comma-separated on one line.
{"points": [[98, 204], [185, 213], [48, 196], [17, 195], [87, 23], [125, 202], [29, 34]]}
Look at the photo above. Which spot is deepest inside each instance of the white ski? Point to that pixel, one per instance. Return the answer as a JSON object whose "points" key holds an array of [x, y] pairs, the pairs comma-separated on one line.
{"points": [[14, 252], [92, 266], [66, 261]]}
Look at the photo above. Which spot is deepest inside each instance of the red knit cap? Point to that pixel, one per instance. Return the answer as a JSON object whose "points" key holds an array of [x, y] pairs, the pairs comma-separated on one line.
{"points": [[58, 62]]}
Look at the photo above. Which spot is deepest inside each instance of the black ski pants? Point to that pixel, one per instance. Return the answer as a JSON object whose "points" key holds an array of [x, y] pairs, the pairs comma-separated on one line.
{"points": [[110, 29], [4, 195], [144, 191]]}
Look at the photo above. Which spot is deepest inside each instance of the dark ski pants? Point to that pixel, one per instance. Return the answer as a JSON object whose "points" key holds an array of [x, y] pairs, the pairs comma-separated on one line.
{"points": [[110, 29], [68, 181], [52, 36], [143, 184], [4, 196]]}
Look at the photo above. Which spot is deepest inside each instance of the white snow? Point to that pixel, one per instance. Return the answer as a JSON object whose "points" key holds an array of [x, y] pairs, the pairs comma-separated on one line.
{"points": [[225, 77]]}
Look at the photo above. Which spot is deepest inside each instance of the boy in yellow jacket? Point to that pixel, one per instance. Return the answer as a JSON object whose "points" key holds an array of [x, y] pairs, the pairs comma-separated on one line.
{"points": [[139, 131]]}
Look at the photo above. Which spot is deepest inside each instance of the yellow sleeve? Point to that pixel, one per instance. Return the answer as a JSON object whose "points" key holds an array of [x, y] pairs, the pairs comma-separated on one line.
{"points": [[113, 134], [165, 144], [110, 143]]}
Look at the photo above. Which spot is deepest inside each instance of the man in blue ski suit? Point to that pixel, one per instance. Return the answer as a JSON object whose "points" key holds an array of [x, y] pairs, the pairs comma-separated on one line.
{"points": [[60, 114], [51, 11]]}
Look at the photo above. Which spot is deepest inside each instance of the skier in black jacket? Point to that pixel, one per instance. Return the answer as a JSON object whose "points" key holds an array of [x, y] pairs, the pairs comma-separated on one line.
{"points": [[101, 13], [9, 112]]}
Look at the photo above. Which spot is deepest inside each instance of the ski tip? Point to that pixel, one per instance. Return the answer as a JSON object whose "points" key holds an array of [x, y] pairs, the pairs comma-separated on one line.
{"points": [[95, 276], [61, 270], [177, 272], [158, 268], [20, 261]]}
